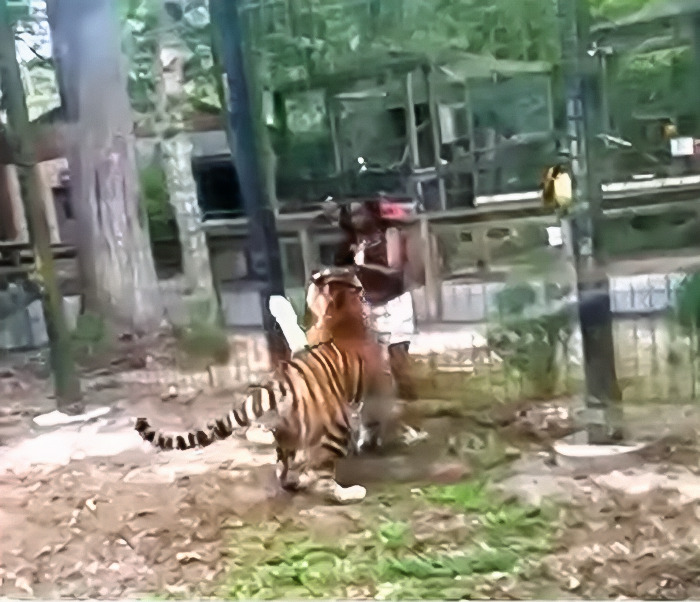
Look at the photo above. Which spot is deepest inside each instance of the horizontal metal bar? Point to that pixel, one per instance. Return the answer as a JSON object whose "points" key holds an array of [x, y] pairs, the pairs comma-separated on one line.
{"points": [[525, 203]]}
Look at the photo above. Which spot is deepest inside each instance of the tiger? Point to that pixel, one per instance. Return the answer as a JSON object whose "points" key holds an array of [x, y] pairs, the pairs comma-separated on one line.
{"points": [[310, 400], [318, 397], [337, 310]]}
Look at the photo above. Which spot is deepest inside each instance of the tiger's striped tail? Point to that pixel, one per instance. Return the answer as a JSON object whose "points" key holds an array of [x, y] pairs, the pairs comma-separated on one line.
{"points": [[261, 399]]}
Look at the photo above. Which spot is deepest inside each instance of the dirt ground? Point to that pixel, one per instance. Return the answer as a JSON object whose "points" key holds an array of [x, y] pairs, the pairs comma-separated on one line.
{"points": [[88, 510]]}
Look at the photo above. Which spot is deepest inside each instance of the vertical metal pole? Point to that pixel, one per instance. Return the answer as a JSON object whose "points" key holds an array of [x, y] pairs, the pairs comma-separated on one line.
{"points": [[696, 65], [432, 279], [262, 234], [308, 254], [411, 130], [333, 124], [604, 92], [435, 132], [66, 380], [602, 391]]}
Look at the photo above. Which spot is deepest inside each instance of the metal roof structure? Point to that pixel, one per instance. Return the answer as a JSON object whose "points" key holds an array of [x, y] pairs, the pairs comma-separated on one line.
{"points": [[654, 11]]}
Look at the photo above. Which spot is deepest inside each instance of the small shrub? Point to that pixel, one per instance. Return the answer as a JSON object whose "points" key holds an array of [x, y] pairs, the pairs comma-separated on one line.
{"points": [[529, 344], [156, 198], [204, 341], [90, 333], [687, 306]]}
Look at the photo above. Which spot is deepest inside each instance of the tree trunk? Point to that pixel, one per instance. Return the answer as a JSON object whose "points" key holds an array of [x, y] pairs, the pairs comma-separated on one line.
{"points": [[66, 382], [8, 222], [182, 189], [114, 247], [176, 154]]}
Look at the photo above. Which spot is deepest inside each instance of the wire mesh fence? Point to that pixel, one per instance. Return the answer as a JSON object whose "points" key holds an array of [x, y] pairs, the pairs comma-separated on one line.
{"points": [[656, 357]]}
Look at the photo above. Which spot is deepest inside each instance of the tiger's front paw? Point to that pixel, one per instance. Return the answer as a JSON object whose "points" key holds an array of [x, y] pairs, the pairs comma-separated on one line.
{"points": [[347, 495]]}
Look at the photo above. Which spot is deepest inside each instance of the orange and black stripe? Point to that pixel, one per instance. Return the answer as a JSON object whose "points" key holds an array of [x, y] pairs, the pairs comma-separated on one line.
{"points": [[314, 392]]}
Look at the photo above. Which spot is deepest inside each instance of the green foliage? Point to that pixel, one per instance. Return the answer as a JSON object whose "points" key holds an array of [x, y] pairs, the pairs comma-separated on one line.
{"points": [[508, 524], [529, 340], [614, 9], [652, 83], [319, 37], [154, 191], [515, 299], [89, 328], [387, 562], [394, 535], [468, 496], [141, 38], [687, 306], [90, 334]]}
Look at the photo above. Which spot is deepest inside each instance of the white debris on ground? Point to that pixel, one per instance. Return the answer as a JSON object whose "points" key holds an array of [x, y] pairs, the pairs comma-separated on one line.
{"points": [[643, 480], [70, 442], [57, 418]]}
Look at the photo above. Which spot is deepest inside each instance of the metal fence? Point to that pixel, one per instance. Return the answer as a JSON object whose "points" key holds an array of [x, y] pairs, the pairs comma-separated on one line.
{"points": [[655, 358]]}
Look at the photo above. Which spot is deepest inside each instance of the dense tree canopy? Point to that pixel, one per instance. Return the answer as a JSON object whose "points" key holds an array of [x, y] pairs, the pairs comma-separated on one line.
{"points": [[293, 40], [141, 32]]}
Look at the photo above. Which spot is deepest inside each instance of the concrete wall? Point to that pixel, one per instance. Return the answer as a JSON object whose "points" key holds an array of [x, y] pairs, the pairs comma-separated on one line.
{"points": [[26, 329], [470, 302]]}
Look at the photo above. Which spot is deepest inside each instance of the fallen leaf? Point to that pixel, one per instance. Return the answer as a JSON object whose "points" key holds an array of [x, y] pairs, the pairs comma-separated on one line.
{"points": [[185, 557]]}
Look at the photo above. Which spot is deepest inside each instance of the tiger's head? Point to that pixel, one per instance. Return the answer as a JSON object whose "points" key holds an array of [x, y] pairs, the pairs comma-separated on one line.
{"points": [[336, 307]]}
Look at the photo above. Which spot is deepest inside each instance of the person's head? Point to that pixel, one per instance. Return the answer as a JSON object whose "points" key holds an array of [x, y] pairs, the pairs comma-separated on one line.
{"points": [[365, 216]]}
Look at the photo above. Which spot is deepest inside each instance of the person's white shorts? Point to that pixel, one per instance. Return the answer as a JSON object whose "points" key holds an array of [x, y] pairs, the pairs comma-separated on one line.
{"points": [[394, 321]]}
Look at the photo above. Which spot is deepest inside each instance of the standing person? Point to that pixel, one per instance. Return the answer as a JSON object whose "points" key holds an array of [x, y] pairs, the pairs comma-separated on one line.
{"points": [[379, 252]]}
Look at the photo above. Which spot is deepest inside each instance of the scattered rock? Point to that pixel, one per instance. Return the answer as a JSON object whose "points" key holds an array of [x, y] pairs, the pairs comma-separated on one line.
{"points": [[171, 393], [185, 557], [449, 473]]}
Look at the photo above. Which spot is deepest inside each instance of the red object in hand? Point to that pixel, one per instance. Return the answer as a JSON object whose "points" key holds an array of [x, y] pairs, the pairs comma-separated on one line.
{"points": [[389, 210]]}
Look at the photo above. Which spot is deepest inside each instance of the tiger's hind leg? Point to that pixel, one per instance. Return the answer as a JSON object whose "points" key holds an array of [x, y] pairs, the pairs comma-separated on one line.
{"points": [[319, 477], [288, 480]]}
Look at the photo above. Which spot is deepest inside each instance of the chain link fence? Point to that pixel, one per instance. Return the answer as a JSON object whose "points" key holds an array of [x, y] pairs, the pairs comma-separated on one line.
{"points": [[540, 354], [497, 357]]}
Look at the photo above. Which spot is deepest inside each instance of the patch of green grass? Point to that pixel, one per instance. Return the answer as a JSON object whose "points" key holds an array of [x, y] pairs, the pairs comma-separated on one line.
{"points": [[468, 496], [382, 559], [508, 524], [394, 535]]}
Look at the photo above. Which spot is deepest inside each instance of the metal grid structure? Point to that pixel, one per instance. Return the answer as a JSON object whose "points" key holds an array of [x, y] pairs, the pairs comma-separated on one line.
{"points": [[655, 359]]}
